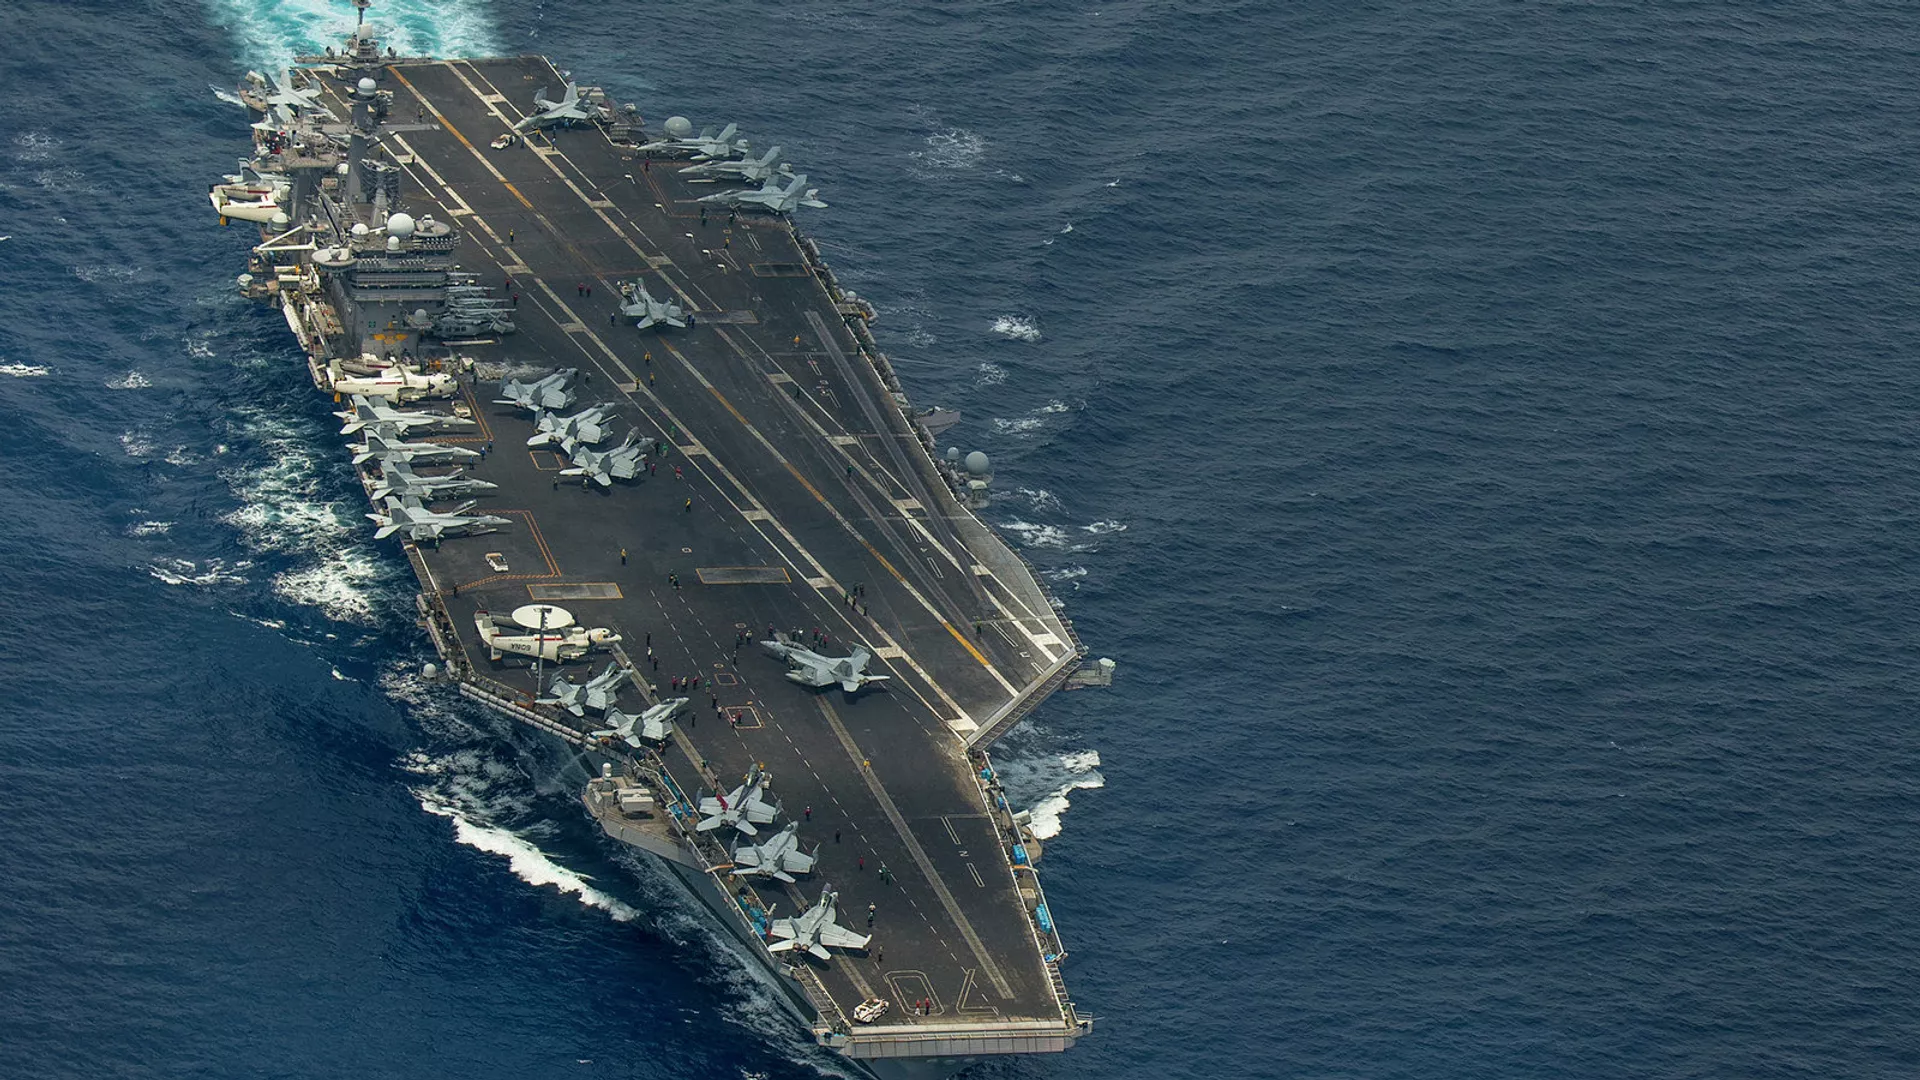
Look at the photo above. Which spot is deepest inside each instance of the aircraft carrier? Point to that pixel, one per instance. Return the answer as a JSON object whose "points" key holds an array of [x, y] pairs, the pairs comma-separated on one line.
{"points": [[443, 233]]}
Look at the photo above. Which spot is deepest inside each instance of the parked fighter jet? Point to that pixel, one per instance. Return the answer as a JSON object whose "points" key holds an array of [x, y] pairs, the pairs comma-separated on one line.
{"points": [[375, 410], [398, 478], [770, 196], [814, 930], [598, 693], [704, 146], [623, 462], [752, 170], [809, 668], [743, 809], [650, 312], [779, 856], [585, 426], [284, 93], [653, 725], [548, 393], [572, 108], [394, 383], [384, 442], [572, 643], [419, 523]]}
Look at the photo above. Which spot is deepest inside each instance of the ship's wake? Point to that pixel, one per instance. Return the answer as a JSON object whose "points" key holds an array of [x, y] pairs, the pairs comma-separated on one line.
{"points": [[270, 33]]}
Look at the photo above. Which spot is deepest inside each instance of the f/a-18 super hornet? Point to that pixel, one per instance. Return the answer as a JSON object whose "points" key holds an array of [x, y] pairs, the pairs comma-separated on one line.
{"points": [[284, 93], [384, 442], [598, 693], [394, 383], [572, 108], [398, 478], [572, 643], [642, 306], [623, 462], [654, 725], [752, 170], [585, 426], [778, 856], [419, 523], [375, 410], [815, 930], [541, 394], [809, 668], [705, 146], [771, 196], [743, 808]]}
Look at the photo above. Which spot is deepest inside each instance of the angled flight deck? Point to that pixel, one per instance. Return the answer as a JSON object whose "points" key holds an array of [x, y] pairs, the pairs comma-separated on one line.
{"points": [[787, 494]]}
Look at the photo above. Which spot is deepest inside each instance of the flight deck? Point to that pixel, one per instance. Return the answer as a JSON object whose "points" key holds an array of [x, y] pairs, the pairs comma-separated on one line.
{"points": [[787, 492]]}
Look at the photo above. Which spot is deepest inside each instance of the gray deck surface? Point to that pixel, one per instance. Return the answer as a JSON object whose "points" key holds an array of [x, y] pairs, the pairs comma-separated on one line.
{"points": [[767, 475]]}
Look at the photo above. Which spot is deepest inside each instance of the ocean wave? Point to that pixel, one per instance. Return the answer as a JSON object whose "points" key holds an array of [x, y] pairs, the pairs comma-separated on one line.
{"points": [[137, 444], [283, 510], [149, 528], [1038, 498], [272, 32], [23, 371], [132, 380], [1065, 574], [1083, 774], [35, 146], [990, 374], [1035, 535], [188, 572], [108, 272], [1048, 779], [524, 858], [347, 587], [1017, 327], [1100, 528], [954, 148], [227, 96]]}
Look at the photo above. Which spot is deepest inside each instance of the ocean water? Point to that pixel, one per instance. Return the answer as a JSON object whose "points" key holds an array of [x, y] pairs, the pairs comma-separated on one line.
{"points": [[1483, 433]]}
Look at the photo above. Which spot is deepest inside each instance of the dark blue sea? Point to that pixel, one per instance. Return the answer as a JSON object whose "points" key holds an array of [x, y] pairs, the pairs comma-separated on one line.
{"points": [[1486, 434]]}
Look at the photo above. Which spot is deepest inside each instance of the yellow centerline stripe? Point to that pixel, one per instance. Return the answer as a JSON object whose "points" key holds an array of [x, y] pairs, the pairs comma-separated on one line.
{"points": [[871, 550], [455, 132]]}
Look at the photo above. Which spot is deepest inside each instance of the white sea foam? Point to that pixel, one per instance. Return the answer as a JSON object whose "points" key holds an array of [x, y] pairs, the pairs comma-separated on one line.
{"points": [[1100, 528], [272, 32], [137, 444], [226, 95], [149, 528], [1033, 535], [1083, 774], [188, 572], [199, 348], [132, 380], [990, 374], [34, 146], [954, 148], [181, 456], [1017, 327], [1038, 498], [1065, 574], [527, 861], [23, 371], [345, 587], [104, 272], [282, 510]]}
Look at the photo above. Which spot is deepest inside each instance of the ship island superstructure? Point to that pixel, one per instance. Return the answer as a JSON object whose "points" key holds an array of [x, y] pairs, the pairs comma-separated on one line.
{"points": [[436, 249]]}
